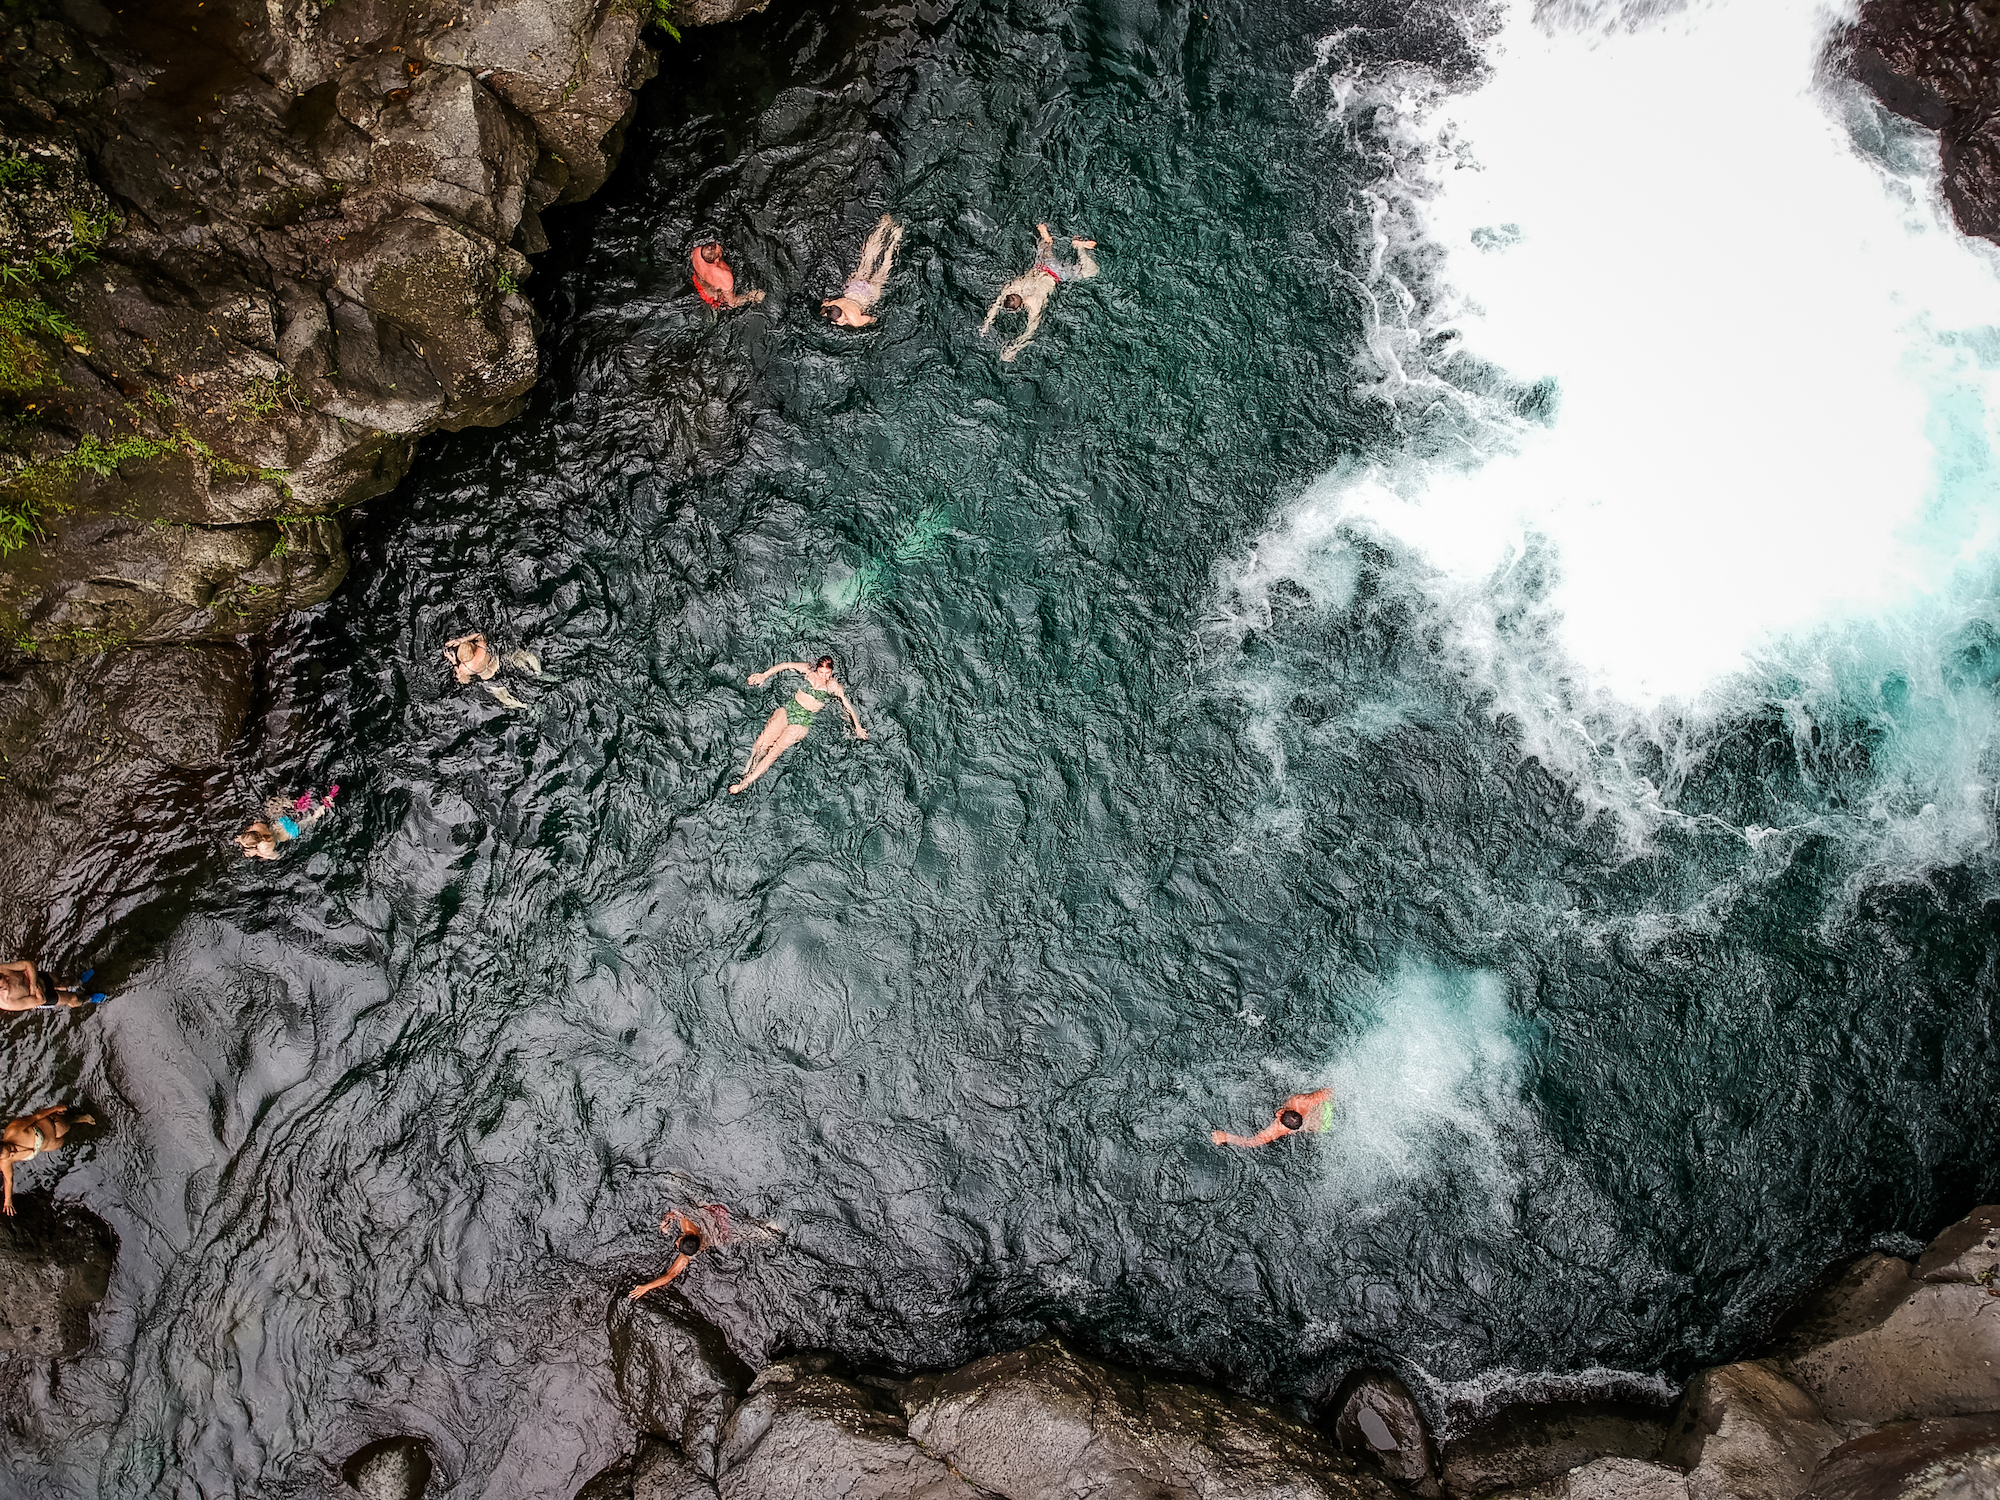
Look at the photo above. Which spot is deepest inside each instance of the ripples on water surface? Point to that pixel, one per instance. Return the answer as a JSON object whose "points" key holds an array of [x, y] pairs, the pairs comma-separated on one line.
{"points": [[956, 1007]]}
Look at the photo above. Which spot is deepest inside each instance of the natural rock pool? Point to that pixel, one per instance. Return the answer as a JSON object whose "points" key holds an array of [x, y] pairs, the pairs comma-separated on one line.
{"points": [[1195, 778]]}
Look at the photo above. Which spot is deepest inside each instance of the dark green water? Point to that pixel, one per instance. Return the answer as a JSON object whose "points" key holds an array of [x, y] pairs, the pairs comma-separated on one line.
{"points": [[393, 1121]]}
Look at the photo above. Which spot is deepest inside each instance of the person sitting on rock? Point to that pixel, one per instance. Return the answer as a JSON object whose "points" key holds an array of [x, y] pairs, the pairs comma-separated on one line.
{"points": [[864, 287], [24, 1139], [713, 279], [1030, 292], [688, 1243], [1312, 1111], [21, 989], [282, 822], [469, 656]]}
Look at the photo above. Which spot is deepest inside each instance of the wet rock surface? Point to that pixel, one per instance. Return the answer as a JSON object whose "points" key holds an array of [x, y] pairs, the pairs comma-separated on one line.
{"points": [[1043, 1420], [675, 1377], [55, 1266], [1940, 1458], [1745, 1431], [1526, 1445], [1378, 1420], [396, 1468], [1934, 62]]}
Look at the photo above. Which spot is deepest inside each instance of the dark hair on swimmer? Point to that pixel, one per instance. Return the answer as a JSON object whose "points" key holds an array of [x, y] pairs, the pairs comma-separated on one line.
{"points": [[830, 311], [1012, 302], [824, 661], [687, 1244], [711, 250], [1291, 1119]]}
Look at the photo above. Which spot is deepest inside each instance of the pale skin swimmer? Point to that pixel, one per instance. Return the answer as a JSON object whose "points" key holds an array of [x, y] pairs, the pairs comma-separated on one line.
{"points": [[714, 282], [1312, 1111], [1029, 293], [864, 287], [21, 988], [688, 1242], [24, 1139], [790, 724]]}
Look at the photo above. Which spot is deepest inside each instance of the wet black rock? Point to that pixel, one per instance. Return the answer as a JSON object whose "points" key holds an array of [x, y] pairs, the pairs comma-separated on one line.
{"points": [[396, 1468], [659, 1471], [1939, 1458], [55, 1266], [1935, 62], [804, 1431], [1529, 1444], [1043, 1421], [1376, 1418], [675, 1376]]}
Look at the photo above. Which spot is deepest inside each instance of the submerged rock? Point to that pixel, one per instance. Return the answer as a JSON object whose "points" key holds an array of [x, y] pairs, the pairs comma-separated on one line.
{"points": [[1744, 1432], [1042, 1421], [1529, 1444], [803, 1432], [396, 1468], [1377, 1418], [55, 1266], [1939, 1458]]}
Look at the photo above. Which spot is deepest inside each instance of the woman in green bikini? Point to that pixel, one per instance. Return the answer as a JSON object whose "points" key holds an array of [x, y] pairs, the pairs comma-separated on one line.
{"points": [[788, 725]]}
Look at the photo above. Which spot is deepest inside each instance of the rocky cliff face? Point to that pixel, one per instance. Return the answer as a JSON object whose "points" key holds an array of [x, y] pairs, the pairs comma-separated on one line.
{"points": [[250, 252], [1937, 62]]}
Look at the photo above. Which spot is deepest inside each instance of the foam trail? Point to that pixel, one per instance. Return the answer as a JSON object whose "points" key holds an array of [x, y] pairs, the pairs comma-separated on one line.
{"points": [[1765, 472]]}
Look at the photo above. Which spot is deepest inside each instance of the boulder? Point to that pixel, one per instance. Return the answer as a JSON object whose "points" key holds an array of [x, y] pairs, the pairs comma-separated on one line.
{"points": [[1968, 1251], [659, 1471], [675, 1377], [803, 1433], [1938, 1458], [1881, 1346], [55, 1266], [1530, 1444], [396, 1468], [1042, 1421], [1744, 1432], [1377, 1419]]}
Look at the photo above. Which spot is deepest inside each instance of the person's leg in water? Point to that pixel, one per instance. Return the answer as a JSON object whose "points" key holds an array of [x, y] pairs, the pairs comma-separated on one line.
{"points": [[879, 254], [779, 735]]}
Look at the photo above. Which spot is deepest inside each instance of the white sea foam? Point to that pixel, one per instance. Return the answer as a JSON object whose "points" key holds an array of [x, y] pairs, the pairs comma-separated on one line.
{"points": [[1770, 473]]}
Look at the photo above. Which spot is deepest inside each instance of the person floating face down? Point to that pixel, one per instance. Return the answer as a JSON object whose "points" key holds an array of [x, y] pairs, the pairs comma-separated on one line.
{"points": [[790, 724], [690, 1239], [1030, 293], [21, 989], [714, 282], [1312, 1111], [864, 287], [25, 1138]]}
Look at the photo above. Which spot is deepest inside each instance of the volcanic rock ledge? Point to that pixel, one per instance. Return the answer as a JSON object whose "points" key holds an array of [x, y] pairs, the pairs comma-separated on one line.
{"points": [[1883, 1386], [250, 253]]}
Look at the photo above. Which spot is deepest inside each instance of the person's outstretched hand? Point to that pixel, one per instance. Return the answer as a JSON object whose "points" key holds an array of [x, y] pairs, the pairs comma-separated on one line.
{"points": [[756, 679], [861, 734]]}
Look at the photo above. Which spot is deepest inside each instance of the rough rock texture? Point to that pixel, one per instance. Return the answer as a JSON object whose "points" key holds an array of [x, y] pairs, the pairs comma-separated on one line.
{"points": [[658, 1472], [1042, 1421], [397, 1468], [803, 1433], [1934, 61], [1968, 1251], [250, 252], [1880, 1345], [55, 1266], [1744, 1432], [1608, 1479], [1525, 1445], [675, 1377], [1940, 1458], [1377, 1419]]}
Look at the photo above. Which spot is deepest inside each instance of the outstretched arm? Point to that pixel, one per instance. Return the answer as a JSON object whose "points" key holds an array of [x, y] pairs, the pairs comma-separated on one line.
{"points": [[1034, 322], [994, 311], [758, 679], [7, 1181], [859, 732], [680, 1264], [1264, 1137]]}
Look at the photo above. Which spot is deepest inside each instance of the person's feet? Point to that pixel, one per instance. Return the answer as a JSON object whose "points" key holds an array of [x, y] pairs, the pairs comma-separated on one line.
{"points": [[1083, 244], [736, 788], [756, 296]]}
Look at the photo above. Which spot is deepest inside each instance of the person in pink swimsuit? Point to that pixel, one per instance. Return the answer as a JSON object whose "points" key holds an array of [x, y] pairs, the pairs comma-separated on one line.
{"points": [[714, 280], [864, 287], [1312, 1111]]}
